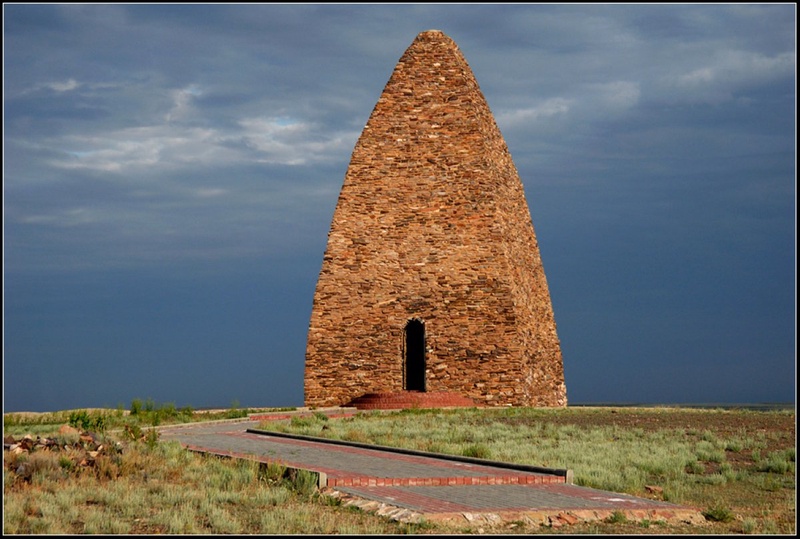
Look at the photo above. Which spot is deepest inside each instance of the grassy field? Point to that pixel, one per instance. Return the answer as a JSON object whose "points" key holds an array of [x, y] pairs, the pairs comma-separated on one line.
{"points": [[736, 465]]}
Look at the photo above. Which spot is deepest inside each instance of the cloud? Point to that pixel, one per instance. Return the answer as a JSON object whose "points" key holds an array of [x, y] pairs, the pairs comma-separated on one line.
{"points": [[589, 103], [251, 118], [657, 143], [64, 86], [122, 150], [59, 87], [727, 73], [68, 218], [555, 106], [169, 146], [287, 141], [182, 100]]}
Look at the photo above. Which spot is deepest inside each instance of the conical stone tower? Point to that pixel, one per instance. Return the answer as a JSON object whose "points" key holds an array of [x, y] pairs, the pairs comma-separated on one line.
{"points": [[432, 279]]}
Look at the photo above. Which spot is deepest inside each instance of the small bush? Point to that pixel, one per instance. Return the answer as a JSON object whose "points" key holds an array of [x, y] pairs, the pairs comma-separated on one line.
{"points": [[151, 438], [65, 463], [695, 467], [82, 420], [132, 432], [271, 472], [40, 467], [617, 517], [773, 465], [772, 483], [479, 451], [778, 462], [708, 452], [303, 482], [712, 479], [749, 525], [734, 446], [718, 513], [79, 420], [302, 422], [136, 406], [708, 436], [354, 435], [236, 413]]}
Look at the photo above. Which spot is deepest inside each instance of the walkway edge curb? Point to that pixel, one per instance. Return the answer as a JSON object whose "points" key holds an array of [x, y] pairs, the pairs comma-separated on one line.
{"points": [[566, 474]]}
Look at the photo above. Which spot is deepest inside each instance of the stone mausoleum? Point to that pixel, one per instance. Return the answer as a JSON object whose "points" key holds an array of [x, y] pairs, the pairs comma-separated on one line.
{"points": [[432, 281]]}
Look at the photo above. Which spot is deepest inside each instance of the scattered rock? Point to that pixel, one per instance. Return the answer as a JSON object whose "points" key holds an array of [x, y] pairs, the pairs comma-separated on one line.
{"points": [[83, 452], [567, 518], [652, 489]]}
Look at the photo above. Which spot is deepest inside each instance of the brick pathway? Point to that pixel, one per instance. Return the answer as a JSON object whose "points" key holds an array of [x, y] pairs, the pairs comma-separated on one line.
{"points": [[409, 485]]}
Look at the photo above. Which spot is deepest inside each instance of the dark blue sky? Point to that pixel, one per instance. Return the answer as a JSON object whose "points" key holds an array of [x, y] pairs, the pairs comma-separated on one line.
{"points": [[170, 173]]}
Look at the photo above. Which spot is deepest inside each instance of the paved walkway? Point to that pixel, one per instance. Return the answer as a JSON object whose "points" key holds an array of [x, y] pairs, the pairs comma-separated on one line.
{"points": [[412, 485]]}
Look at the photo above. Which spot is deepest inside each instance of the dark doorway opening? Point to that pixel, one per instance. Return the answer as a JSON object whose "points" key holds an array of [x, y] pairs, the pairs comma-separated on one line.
{"points": [[415, 356]]}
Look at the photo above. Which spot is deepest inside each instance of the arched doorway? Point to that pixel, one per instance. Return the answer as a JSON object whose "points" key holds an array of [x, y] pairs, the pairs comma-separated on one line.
{"points": [[414, 360]]}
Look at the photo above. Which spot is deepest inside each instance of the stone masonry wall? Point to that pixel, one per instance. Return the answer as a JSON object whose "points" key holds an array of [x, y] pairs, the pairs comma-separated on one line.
{"points": [[432, 224]]}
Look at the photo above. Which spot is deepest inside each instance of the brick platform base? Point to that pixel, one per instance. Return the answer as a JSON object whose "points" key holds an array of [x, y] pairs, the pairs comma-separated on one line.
{"points": [[410, 399]]}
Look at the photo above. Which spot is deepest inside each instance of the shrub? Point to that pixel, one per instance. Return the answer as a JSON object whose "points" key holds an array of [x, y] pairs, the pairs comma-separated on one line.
{"points": [[749, 525], [708, 452], [712, 479], [132, 432], [149, 405], [302, 422], [303, 482], [717, 513], [236, 413], [136, 406], [151, 438], [65, 462], [694, 467], [479, 451], [80, 420], [734, 446], [617, 517], [778, 462], [271, 472], [773, 465]]}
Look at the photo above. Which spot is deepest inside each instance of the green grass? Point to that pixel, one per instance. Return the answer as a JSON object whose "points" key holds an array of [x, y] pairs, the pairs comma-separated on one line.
{"points": [[605, 457], [164, 489], [691, 465], [741, 478], [140, 415]]}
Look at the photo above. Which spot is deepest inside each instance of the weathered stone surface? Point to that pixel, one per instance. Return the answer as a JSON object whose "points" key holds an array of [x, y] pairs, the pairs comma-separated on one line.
{"points": [[432, 226]]}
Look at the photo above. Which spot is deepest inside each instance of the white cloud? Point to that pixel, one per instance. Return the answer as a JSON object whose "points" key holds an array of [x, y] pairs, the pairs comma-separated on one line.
{"points": [[551, 107], [158, 146], [52, 86], [282, 140], [740, 67], [273, 139], [590, 102], [114, 151], [182, 99], [727, 72], [64, 86], [65, 218], [260, 140]]}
